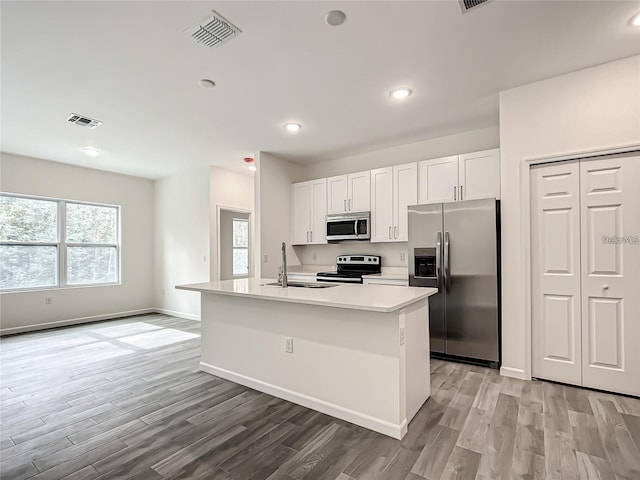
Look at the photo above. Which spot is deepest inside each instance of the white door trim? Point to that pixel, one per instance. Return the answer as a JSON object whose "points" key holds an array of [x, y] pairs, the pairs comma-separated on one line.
{"points": [[525, 233], [251, 236]]}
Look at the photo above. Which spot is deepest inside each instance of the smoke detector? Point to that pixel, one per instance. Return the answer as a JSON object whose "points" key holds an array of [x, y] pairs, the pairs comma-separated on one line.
{"points": [[83, 121], [213, 30], [467, 5]]}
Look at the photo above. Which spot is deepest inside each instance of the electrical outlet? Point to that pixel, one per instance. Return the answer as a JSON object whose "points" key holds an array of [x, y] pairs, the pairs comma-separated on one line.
{"points": [[204, 258], [401, 335], [163, 292], [402, 256], [288, 344], [266, 258], [315, 256], [48, 300]]}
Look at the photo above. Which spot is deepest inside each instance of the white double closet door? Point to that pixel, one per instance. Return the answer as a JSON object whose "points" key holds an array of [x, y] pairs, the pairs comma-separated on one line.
{"points": [[585, 223]]}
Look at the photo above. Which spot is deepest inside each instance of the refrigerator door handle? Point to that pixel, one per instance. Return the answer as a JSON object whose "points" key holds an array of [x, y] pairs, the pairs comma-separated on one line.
{"points": [[447, 280], [438, 260]]}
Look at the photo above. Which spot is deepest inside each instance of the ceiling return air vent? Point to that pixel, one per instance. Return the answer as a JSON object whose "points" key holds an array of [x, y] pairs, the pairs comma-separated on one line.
{"points": [[467, 5], [213, 30], [83, 121]]}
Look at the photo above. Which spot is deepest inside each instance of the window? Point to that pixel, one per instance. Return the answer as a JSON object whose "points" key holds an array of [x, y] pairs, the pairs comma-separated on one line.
{"points": [[240, 247], [56, 243]]}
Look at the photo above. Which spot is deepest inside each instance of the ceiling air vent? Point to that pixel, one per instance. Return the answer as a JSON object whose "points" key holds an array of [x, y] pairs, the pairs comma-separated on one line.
{"points": [[213, 30], [83, 121], [467, 5]]}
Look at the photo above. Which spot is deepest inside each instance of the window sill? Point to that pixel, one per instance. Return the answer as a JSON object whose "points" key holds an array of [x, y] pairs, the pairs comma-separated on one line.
{"points": [[53, 289]]}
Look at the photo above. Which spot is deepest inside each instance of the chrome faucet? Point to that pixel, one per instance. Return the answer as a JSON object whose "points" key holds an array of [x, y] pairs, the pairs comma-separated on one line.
{"points": [[282, 276]]}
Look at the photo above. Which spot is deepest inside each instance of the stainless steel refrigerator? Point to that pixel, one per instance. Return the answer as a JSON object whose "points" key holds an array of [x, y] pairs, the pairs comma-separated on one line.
{"points": [[455, 247]]}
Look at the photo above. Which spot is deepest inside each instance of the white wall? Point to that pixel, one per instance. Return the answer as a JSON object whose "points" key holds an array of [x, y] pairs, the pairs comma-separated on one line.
{"points": [[589, 110], [182, 225], [230, 190], [471, 141], [273, 212], [30, 176]]}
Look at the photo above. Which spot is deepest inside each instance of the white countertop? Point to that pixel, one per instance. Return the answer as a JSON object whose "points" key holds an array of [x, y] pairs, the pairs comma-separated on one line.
{"points": [[375, 298]]}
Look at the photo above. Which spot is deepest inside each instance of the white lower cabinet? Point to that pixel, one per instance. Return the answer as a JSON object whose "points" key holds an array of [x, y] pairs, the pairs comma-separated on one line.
{"points": [[393, 189], [585, 223]]}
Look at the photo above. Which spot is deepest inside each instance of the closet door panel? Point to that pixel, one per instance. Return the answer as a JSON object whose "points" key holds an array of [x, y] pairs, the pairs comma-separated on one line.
{"points": [[555, 271], [611, 272]]}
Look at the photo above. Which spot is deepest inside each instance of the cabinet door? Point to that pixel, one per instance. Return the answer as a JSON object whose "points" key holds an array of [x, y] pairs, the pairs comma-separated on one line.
{"points": [[438, 180], [300, 212], [337, 194], [610, 273], [555, 272], [359, 192], [405, 193], [382, 204], [479, 174], [318, 211]]}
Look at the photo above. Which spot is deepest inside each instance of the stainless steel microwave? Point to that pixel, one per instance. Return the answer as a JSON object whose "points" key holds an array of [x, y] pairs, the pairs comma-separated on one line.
{"points": [[349, 226]]}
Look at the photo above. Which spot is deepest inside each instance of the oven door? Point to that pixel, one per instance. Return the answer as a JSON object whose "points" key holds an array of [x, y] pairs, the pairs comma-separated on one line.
{"points": [[347, 227]]}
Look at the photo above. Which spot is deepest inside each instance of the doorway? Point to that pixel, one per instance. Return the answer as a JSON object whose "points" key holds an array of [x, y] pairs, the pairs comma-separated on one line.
{"points": [[234, 235]]}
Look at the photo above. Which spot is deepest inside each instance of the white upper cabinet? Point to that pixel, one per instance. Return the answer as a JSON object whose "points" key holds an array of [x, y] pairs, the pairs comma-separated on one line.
{"points": [[309, 209], [479, 175], [438, 180], [470, 176], [393, 189], [349, 193]]}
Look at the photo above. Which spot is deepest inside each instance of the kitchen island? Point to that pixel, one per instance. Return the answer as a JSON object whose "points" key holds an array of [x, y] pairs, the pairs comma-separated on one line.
{"points": [[357, 352]]}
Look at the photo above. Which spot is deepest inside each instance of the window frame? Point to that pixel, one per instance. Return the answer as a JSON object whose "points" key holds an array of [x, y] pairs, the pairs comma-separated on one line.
{"points": [[234, 248], [61, 244]]}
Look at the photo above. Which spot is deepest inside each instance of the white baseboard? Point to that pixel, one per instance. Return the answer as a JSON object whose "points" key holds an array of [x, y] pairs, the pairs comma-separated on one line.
{"points": [[173, 313], [514, 373], [74, 321], [366, 421]]}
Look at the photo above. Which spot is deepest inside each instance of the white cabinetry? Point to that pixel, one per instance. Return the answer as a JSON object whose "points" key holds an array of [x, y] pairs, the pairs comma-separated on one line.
{"points": [[393, 189], [469, 176], [309, 209], [349, 193], [479, 175], [585, 220]]}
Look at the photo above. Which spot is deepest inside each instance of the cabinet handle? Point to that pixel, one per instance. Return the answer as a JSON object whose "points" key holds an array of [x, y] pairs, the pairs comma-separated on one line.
{"points": [[454, 194], [349, 204], [345, 205], [461, 198], [605, 287], [389, 233], [311, 236], [395, 232]]}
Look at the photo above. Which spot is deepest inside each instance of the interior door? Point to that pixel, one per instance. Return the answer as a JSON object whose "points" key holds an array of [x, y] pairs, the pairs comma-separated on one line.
{"points": [[611, 273], [555, 272]]}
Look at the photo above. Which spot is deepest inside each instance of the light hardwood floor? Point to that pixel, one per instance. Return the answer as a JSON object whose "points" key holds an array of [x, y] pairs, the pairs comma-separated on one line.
{"points": [[124, 399]]}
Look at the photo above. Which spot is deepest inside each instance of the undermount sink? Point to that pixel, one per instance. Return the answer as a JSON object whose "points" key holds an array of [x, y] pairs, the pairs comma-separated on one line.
{"points": [[300, 285]]}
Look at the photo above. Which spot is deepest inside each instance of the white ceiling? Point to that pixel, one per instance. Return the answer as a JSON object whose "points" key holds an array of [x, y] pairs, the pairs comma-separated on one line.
{"points": [[129, 64]]}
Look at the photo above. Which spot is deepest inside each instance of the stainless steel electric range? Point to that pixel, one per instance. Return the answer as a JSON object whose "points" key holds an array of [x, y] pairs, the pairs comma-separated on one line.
{"points": [[351, 268]]}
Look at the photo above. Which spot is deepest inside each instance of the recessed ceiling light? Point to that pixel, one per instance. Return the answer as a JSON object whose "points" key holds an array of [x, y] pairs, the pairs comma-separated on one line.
{"points": [[635, 20], [400, 93], [206, 83], [292, 127], [91, 151], [335, 18], [252, 168]]}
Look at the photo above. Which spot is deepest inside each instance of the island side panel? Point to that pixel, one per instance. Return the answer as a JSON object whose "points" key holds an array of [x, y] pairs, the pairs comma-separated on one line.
{"points": [[417, 356], [345, 363]]}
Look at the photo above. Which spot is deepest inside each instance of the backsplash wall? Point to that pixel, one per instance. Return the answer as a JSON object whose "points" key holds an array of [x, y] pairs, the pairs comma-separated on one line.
{"points": [[326, 254]]}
